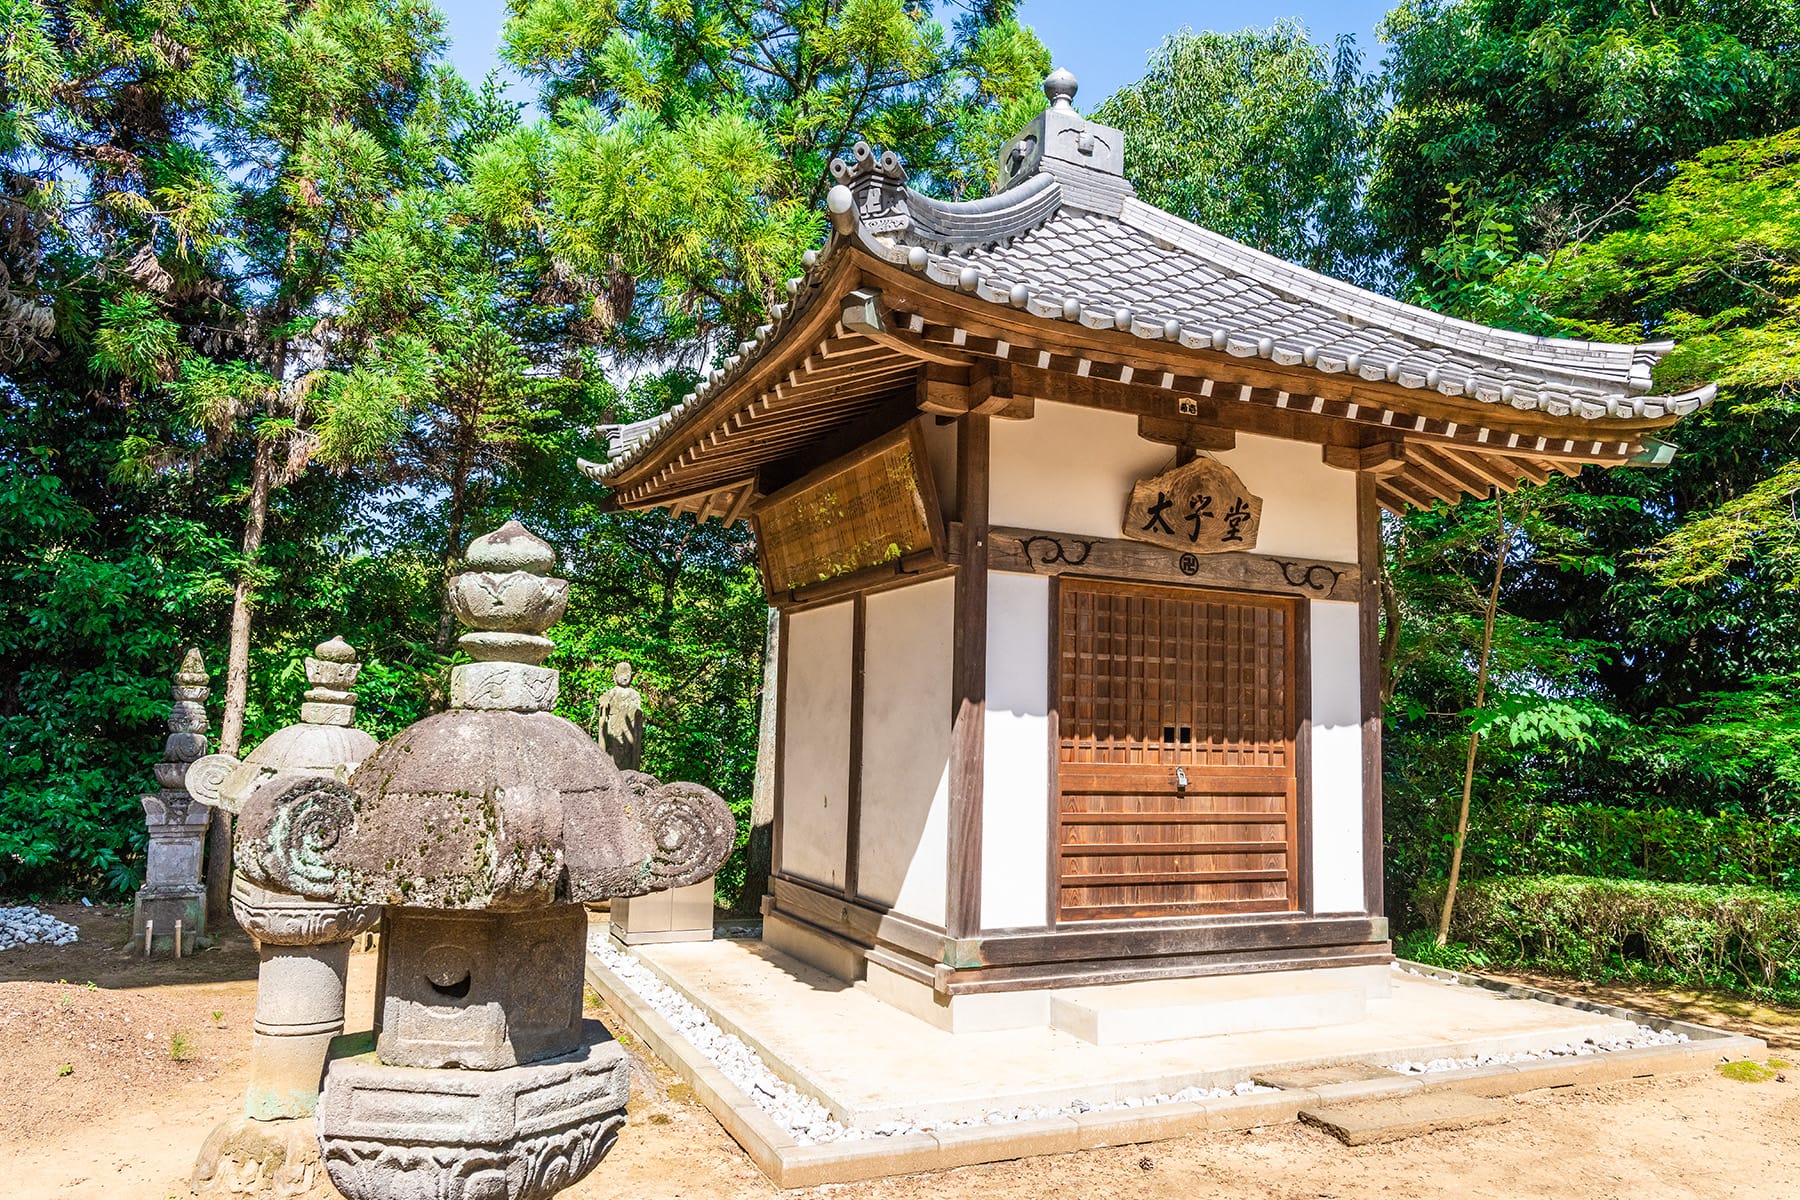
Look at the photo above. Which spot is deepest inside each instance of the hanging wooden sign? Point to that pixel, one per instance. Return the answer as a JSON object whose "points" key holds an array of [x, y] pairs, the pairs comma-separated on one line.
{"points": [[1201, 506], [873, 507]]}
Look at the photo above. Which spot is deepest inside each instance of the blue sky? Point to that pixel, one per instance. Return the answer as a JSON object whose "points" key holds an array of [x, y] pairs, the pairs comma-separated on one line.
{"points": [[1104, 42]]}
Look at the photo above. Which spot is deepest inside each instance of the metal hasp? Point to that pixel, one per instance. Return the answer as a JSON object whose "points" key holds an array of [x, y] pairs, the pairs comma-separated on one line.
{"points": [[480, 831]]}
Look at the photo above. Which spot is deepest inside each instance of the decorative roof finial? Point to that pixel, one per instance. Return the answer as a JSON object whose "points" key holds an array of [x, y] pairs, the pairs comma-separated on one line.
{"points": [[331, 669], [507, 599], [1060, 86]]}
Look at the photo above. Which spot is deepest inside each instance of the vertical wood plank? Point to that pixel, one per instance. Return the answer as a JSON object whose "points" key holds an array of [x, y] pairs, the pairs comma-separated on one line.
{"points": [[968, 696]]}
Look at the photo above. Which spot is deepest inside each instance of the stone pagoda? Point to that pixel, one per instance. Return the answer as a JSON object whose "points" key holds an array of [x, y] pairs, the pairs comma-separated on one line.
{"points": [[304, 945], [173, 891], [479, 832]]}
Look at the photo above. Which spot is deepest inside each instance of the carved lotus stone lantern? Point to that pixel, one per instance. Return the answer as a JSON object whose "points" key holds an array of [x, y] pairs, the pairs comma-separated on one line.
{"points": [[304, 942], [481, 831]]}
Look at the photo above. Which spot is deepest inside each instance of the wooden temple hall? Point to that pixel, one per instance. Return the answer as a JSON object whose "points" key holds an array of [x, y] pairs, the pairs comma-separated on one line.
{"points": [[1071, 510]]}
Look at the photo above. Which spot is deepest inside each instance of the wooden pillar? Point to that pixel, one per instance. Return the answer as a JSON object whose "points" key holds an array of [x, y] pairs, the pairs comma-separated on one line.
{"points": [[968, 694], [859, 637], [1368, 561]]}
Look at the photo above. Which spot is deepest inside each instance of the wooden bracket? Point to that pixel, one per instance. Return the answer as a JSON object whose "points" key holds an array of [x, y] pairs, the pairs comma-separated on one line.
{"points": [[861, 315], [1382, 458]]}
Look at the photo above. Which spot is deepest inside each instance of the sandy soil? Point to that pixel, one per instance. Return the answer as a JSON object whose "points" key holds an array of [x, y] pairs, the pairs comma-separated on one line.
{"points": [[125, 1122]]}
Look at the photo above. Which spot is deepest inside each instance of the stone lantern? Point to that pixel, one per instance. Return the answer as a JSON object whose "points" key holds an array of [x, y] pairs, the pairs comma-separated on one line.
{"points": [[172, 890], [304, 943], [481, 831]]}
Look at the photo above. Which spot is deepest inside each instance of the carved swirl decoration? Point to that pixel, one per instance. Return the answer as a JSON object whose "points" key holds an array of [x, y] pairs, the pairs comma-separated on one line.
{"points": [[288, 831], [1053, 550], [690, 832], [1315, 577], [207, 775]]}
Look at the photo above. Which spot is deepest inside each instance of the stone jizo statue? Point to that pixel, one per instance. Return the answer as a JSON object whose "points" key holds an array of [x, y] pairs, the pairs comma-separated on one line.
{"points": [[619, 721]]}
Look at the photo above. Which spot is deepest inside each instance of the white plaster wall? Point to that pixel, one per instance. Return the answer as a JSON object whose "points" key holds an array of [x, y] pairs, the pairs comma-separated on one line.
{"points": [[906, 748], [940, 450], [816, 766], [1337, 784], [1015, 796], [1069, 469], [1309, 509]]}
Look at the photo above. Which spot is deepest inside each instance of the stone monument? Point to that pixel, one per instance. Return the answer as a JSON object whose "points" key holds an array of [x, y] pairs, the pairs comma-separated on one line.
{"points": [[683, 914], [480, 831], [272, 1147], [172, 888], [619, 721]]}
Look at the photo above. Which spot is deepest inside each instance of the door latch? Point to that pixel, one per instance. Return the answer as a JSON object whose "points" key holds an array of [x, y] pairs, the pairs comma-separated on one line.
{"points": [[1181, 779]]}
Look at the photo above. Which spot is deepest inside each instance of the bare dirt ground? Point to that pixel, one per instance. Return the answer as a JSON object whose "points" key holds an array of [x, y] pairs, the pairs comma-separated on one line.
{"points": [[125, 1121]]}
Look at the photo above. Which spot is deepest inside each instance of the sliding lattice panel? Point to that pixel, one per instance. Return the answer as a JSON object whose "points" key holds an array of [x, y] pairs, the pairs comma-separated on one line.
{"points": [[1152, 680]]}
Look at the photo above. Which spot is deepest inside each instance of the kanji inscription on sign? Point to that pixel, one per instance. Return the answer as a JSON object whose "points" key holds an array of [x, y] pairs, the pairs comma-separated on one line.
{"points": [[1201, 507]]}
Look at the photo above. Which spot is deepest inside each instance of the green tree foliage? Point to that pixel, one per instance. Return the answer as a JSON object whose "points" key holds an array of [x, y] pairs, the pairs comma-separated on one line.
{"points": [[689, 145], [1662, 603], [1261, 135], [1554, 115]]}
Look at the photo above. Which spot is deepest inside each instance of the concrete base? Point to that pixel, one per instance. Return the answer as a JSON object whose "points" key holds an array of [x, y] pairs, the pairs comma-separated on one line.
{"points": [[683, 914], [799, 1020], [1172, 1009], [1110, 1014]]}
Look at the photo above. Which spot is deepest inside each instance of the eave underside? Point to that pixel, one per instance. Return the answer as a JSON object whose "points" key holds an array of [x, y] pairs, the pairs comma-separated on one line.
{"points": [[873, 347]]}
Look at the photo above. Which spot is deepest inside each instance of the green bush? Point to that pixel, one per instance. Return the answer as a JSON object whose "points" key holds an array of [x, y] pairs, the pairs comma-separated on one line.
{"points": [[1743, 939]]}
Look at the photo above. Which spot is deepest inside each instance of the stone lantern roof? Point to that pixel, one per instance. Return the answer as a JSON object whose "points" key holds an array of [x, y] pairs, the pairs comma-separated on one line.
{"points": [[498, 803], [1064, 272]]}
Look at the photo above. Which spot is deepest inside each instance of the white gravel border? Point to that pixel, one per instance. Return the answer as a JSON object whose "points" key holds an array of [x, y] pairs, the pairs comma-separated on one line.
{"points": [[23, 925], [803, 1118]]}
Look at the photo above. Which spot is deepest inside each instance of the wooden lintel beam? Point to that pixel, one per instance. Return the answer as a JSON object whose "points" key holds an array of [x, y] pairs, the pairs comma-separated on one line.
{"points": [[1040, 552], [1186, 432]]}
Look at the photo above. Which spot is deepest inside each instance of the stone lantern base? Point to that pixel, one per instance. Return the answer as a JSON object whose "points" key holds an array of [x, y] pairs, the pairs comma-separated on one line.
{"points": [[520, 1133]]}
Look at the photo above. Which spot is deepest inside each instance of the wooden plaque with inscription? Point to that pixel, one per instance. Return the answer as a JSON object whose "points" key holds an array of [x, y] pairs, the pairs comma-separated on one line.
{"points": [[1201, 507]]}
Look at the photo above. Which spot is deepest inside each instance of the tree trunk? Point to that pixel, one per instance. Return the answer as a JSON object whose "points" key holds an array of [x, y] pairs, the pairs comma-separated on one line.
{"points": [[759, 854], [1481, 678], [237, 680], [459, 491]]}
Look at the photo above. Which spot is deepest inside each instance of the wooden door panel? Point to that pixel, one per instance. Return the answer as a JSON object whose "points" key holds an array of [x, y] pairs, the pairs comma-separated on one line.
{"points": [[1150, 680]]}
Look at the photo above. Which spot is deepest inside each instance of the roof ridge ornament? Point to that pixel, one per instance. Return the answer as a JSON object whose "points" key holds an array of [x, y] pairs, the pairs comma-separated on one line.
{"points": [[876, 187], [1087, 158]]}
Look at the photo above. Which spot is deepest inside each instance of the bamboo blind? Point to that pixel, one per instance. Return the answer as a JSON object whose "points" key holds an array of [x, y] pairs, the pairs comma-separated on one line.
{"points": [[873, 510], [1152, 679]]}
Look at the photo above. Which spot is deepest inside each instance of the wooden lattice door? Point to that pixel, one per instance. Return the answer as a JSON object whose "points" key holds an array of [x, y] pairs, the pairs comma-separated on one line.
{"points": [[1176, 759]]}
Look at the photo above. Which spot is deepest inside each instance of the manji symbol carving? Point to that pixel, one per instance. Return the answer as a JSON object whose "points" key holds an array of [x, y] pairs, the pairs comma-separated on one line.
{"points": [[1201, 507]]}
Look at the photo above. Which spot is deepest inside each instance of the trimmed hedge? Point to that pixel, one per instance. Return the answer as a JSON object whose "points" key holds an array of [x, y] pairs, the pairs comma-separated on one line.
{"points": [[1744, 939]]}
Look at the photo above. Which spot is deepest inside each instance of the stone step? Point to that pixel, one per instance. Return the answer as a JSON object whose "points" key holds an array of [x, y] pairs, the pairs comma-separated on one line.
{"points": [[1166, 1010], [1398, 1117]]}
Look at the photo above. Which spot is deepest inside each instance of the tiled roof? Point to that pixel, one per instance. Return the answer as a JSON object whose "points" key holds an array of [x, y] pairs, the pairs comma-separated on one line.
{"points": [[1066, 242]]}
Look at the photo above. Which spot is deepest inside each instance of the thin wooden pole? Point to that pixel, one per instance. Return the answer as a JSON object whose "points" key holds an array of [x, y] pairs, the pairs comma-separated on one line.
{"points": [[1481, 679]]}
